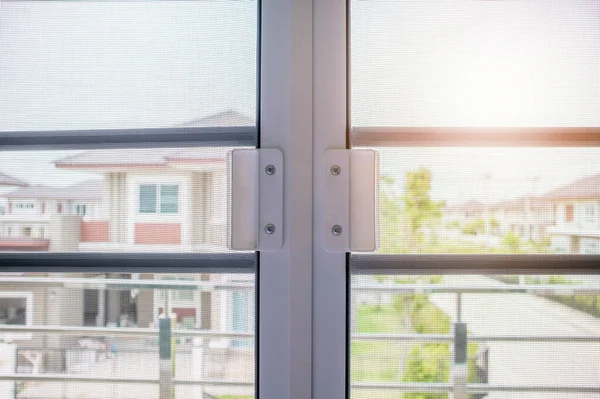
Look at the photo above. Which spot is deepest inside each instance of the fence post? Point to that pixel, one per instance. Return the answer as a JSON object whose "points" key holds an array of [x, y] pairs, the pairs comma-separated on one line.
{"points": [[459, 367], [198, 365], [164, 362]]}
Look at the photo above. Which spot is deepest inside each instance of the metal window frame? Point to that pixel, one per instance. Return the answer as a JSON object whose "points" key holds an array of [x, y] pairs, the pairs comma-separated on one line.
{"points": [[285, 275], [330, 341]]}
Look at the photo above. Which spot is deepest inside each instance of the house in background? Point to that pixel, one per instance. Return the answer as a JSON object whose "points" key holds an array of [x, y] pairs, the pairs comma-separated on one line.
{"points": [[8, 184], [529, 217], [158, 200], [43, 218], [577, 217], [463, 213]]}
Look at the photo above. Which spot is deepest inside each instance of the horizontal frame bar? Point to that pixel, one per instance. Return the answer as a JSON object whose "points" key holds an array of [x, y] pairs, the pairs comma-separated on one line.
{"points": [[78, 378], [475, 137], [106, 262], [472, 338], [235, 136], [474, 264], [484, 388], [471, 388], [123, 284], [441, 387], [121, 331], [542, 289]]}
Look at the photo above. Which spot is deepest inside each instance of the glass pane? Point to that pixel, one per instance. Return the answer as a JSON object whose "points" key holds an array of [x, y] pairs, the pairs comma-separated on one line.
{"points": [[169, 199], [475, 63], [148, 198], [489, 200], [118, 200], [121, 64], [117, 326], [523, 333]]}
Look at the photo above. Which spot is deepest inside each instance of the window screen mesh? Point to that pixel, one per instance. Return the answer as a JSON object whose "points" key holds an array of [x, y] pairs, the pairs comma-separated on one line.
{"points": [[475, 63], [523, 332], [110, 65], [489, 200], [432, 68], [111, 329], [135, 200]]}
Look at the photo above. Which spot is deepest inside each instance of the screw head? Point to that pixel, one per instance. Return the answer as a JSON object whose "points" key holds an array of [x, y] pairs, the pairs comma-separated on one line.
{"points": [[336, 230], [270, 170], [270, 228], [335, 170]]}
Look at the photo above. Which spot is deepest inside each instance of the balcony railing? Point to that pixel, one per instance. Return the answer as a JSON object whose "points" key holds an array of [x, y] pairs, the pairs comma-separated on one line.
{"points": [[157, 350], [458, 385]]}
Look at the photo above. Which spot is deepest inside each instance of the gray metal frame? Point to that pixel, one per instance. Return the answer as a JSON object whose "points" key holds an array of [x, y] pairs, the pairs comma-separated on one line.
{"points": [[242, 136], [108, 262], [473, 264], [329, 311]]}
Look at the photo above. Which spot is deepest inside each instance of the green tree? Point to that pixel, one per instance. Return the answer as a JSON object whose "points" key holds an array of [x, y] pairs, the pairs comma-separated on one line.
{"points": [[391, 219], [475, 227], [419, 209], [512, 242]]}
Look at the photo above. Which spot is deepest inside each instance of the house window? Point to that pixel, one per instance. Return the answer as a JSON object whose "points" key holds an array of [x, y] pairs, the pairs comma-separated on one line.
{"points": [[169, 199], [159, 198], [569, 213], [13, 310], [589, 214], [27, 231], [16, 308], [148, 198], [59, 208], [590, 247], [81, 210]]}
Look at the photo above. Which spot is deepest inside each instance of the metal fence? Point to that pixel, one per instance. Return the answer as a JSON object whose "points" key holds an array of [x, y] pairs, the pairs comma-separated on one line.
{"points": [[457, 387]]}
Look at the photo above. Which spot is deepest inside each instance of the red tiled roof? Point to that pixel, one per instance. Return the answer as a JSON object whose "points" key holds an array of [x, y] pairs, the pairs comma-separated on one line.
{"points": [[142, 157], [588, 187], [6, 180], [520, 203], [86, 190]]}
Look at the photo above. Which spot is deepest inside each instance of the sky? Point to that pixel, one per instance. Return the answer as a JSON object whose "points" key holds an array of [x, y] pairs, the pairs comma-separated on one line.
{"points": [[93, 65], [135, 64], [475, 63]]}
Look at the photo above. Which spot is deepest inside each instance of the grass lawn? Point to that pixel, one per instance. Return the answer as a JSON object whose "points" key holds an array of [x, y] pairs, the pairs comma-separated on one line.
{"points": [[377, 360]]}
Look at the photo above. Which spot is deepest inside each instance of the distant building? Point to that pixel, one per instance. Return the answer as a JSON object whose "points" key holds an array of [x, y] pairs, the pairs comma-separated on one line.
{"points": [[464, 213], [42, 218], [157, 200], [8, 184], [529, 217], [577, 217]]}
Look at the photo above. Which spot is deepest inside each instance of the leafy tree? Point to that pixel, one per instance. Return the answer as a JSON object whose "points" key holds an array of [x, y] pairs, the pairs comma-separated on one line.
{"points": [[475, 227], [391, 240], [512, 242], [419, 209]]}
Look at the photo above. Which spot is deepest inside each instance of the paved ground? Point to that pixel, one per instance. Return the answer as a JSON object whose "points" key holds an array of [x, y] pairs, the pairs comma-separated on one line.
{"points": [[518, 363]]}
